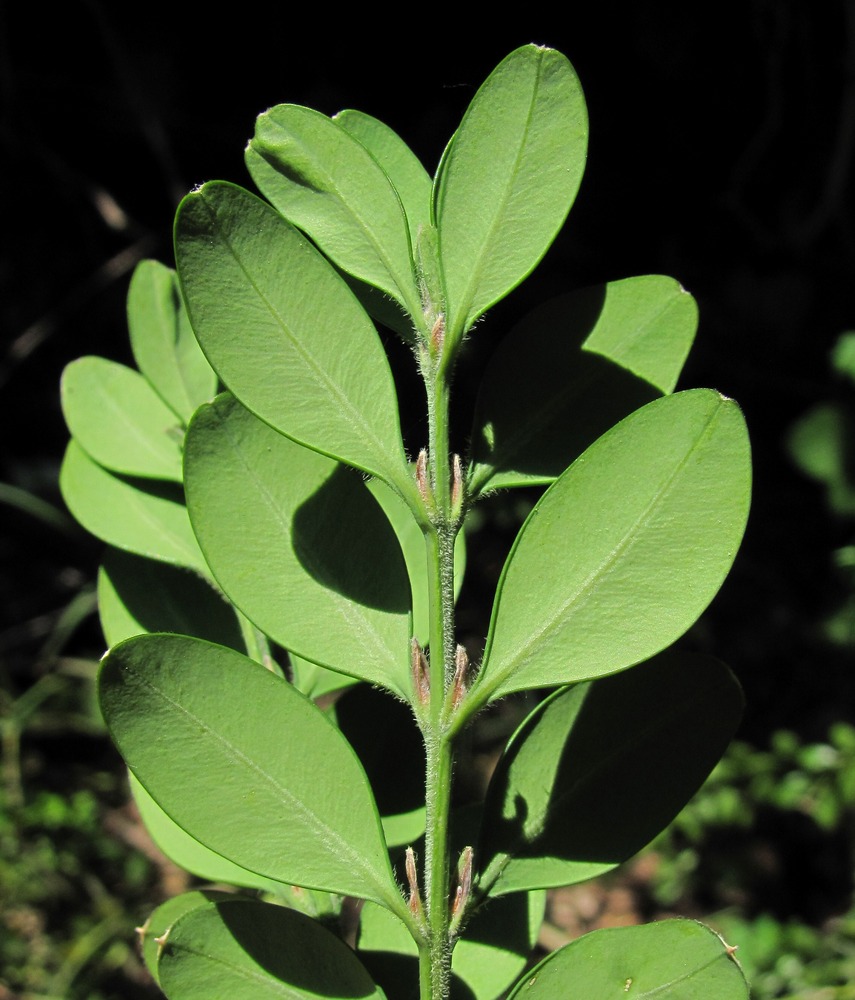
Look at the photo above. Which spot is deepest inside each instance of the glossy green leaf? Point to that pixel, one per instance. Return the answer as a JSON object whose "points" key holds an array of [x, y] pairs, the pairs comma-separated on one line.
{"points": [[248, 950], [289, 339], [299, 544], [597, 770], [120, 421], [139, 516], [165, 916], [570, 370], [246, 765], [403, 168], [508, 179], [164, 345], [188, 853], [412, 542], [671, 960], [624, 552], [495, 947], [327, 183], [137, 595]]}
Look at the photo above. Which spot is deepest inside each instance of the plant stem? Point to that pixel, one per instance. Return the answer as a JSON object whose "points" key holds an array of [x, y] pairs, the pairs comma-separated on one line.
{"points": [[438, 801], [435, 954]]}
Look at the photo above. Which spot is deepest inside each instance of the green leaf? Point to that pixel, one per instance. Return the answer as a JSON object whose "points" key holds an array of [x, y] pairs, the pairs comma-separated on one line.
{"points": [[137, 595], [246, 765], [120, 421], [401, 165], [597, 770], [138, 516], [315, 681], [289, 339], [508, 180], [327, 183], [671, 960], [647, 326], [165, 916], [234, 948], [164, 345], [412, 542], [188, 853], [495, 947], [570, 370], [624, 552], [299, 545]]}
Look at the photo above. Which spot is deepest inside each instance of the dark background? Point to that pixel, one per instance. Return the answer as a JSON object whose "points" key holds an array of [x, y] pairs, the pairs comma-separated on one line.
{"points": [[720, 152]]}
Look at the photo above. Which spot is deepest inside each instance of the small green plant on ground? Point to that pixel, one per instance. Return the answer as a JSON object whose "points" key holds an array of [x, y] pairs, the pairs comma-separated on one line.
{"points": [[287, 514], [752, 789]]}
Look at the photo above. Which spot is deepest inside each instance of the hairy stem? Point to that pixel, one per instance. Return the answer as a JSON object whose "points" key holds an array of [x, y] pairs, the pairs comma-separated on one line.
{"points": [[435, 954]]}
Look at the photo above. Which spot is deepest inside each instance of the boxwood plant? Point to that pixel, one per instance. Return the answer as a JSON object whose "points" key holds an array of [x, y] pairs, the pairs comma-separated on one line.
{"points": [[286, 513]]}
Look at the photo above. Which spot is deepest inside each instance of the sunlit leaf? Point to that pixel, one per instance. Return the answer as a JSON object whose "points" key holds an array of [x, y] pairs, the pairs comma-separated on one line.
{"points": [[188, 853], [120, 421], [289, 339], [139, 516], [401, 165], [163, 342], [671, 960], [623, 553], [299, 544], [508, 179], [245, 764], [327, 183]]}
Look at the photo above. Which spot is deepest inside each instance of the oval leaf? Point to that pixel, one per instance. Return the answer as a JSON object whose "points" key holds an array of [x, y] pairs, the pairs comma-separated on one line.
{"points": [[120, 421], [625, 551], [572, 369], [246, 765], [248, 950], [142, 517], [289, 340], [299, 545], [597, 770], [137, 595], [508, 179], [671, 960], [164, 345], [328, 184]]}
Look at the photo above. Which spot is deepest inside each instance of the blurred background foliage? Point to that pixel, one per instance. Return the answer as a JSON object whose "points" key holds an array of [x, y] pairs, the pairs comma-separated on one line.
{"points": [[722, 140]]}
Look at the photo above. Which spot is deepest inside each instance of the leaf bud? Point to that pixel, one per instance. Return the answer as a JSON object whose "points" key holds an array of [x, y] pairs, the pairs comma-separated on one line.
{"points": [[420, 673], [415, 900]]}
